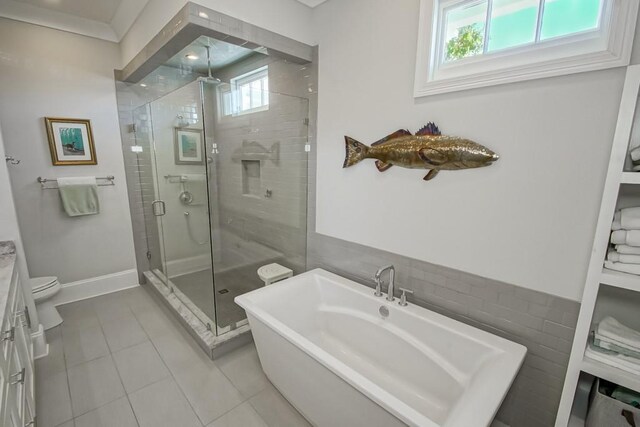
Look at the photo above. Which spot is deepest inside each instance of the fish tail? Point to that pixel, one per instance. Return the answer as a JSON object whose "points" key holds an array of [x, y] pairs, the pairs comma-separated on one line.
{"points": [[355, 152]]}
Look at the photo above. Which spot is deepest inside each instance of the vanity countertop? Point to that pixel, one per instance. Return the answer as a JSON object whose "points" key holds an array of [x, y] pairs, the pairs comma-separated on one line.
{"points": [[7, 263]]}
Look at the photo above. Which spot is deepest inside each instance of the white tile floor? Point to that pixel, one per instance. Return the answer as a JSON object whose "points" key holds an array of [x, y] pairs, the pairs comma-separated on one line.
{"points": [[120, 360]]}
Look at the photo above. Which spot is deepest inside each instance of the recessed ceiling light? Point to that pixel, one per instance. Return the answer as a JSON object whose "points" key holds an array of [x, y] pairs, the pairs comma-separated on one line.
{"points": [[191, 56], [143, 85], [203, 15]]}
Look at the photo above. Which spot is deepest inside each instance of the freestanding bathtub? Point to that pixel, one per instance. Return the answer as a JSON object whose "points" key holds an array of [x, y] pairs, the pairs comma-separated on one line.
{"points": [[324, 343]]}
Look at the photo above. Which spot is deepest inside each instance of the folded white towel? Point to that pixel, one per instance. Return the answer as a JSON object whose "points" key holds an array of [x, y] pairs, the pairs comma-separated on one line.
{"points": [[614, 359], [617, 224], [625, 268], [635, 154], [630, 218], [619, 334], [626, 237], [629, 250], [614, 256]]}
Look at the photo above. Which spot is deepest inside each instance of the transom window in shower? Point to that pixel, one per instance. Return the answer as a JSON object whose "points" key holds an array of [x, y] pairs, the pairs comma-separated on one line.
{"points": [[248, 93], [465, 44]]}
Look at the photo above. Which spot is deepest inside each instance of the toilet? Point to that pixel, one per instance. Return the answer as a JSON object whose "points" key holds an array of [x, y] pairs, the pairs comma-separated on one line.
{"points": [[43, 288]]}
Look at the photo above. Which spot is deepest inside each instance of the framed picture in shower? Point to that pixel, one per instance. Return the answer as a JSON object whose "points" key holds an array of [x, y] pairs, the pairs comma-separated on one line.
{"points": [[70, 141], [188, 146]]}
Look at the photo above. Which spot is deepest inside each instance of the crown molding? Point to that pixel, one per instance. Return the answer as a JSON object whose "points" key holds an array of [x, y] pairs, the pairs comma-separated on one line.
{"points": [[123, 19]]}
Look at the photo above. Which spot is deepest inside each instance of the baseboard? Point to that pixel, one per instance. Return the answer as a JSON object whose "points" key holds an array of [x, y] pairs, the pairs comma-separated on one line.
{"points": [[96, 286]]}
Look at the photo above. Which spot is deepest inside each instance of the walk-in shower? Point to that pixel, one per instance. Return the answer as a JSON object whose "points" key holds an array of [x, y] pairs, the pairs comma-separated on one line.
{"points": [[216, 150]]}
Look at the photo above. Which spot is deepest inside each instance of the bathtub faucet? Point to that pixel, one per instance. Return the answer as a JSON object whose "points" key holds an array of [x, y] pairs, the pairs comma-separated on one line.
{"points": [[392, 276]]}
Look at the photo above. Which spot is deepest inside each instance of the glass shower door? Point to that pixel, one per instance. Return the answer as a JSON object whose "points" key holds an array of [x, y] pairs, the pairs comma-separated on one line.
{"points": [[181, 205], [257, 189]]}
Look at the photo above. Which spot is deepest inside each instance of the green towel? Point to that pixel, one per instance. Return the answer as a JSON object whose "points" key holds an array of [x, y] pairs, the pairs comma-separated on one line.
{"points": [[79, 196]]}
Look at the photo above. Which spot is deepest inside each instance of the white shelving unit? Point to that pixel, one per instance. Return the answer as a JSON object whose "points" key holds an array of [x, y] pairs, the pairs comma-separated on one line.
{"points": [[607, 291]]}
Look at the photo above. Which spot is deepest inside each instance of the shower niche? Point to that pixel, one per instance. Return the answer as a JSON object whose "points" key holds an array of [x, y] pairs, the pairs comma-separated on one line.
{"points": [[218, 179]]}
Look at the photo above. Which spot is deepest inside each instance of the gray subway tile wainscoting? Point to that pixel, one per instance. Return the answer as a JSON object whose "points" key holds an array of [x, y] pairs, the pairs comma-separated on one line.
{"points": [[544, 323]]}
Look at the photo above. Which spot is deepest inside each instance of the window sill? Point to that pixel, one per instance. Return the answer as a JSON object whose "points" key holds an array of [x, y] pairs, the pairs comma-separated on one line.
{"points": [[560, 67]]}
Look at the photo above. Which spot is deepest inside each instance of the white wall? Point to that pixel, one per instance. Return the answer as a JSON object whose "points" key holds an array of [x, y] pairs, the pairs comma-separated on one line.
{"points": [[9, 229], [528, 220], [286, 17], [46, 72]]}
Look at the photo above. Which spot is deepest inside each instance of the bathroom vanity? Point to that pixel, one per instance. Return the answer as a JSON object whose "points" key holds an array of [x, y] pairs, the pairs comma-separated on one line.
{"points": [[17, 403]]}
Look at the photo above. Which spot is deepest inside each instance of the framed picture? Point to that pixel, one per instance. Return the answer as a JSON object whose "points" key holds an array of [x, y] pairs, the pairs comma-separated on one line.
{"points": [[188, 146], [70, 142]]}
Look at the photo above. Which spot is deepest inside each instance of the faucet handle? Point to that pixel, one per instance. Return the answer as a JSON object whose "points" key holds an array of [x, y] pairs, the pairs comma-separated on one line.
{"points": [[403, 298], [378, 291]]}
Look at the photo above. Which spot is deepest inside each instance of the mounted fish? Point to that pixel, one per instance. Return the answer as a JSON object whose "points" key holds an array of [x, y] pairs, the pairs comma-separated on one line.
{"points": [[427, 149]]}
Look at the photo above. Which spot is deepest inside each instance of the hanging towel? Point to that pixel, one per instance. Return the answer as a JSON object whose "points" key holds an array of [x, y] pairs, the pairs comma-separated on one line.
{"points": [[614, 256], [626, 237], [614, 331], [614, 359], [625, 268], [629, 250], [79, 195]]}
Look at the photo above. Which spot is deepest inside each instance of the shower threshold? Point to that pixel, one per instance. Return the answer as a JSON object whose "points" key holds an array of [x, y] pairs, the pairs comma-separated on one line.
{"points": [[197, 323]]}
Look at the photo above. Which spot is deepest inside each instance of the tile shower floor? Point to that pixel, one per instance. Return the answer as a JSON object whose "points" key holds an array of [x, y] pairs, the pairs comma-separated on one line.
{"points": [[121, 360], [198, 287]]}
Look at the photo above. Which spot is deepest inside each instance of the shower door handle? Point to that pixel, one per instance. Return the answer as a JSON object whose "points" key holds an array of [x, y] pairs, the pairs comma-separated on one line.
{"points": [[158, 207]]}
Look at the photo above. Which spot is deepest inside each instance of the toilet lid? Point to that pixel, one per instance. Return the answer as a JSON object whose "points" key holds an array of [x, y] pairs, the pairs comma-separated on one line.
{"points": [[41, 283]]}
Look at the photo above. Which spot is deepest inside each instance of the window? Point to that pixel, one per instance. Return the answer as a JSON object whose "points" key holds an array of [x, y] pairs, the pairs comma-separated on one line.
{"points": [[473, 43], [249, 93]]}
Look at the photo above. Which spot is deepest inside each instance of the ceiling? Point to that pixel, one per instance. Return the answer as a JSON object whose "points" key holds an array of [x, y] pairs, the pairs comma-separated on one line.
{"points": [[104, 19], [312, 3], [101, 11], [222, 54]]}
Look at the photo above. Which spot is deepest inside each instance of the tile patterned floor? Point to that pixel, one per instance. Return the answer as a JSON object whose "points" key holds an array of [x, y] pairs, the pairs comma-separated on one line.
{"points": [[121, 360]]}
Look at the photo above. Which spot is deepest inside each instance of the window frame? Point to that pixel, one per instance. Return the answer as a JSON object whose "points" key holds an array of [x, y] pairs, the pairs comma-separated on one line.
{"points": [[607, 46], [247, 79]]}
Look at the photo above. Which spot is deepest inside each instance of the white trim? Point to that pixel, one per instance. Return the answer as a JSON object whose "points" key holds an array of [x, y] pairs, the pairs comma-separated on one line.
{"points": [[621, 138], [39, 341], [179, 267], [96, 286], [608, 47]]}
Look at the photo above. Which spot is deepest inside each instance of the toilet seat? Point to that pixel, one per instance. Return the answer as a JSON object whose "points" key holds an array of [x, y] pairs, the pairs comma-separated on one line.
{"points": [[41, 284], [43, 289]]}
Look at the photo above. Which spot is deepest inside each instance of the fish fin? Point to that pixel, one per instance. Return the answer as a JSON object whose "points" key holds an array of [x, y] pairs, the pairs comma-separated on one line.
{"points": [[397, 134], [432, 174], [355, 152], [429, 129], [432, 157], [382, 166]]}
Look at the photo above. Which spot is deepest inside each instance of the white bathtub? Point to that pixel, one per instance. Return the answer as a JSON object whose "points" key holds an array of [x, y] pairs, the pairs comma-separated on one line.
{"points": [[324, 345]]}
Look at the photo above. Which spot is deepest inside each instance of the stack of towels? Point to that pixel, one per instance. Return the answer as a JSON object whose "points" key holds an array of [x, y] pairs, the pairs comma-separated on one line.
{"points": [[615, 345], [626, 240]]}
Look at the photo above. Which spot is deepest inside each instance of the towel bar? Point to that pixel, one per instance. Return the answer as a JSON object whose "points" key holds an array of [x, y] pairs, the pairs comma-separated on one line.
{"points": [[109, 182]]}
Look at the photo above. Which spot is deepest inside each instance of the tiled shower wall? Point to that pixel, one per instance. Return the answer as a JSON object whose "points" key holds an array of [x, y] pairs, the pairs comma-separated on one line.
{"points": [[276, 220], [140, 177]]}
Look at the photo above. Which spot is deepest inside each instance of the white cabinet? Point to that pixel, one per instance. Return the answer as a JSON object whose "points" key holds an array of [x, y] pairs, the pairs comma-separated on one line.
{"points": [[17, 387]]}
